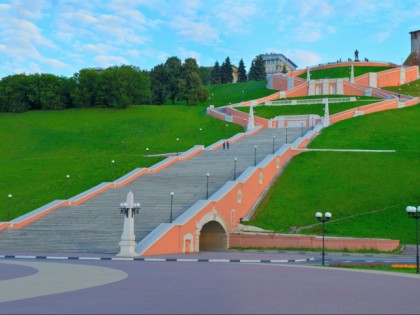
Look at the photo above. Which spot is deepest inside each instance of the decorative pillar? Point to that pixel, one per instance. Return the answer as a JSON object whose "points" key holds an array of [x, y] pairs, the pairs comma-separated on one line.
{"points": [[251, 124], [308, 74], [128, 239], [352, 74], [326, 121]]}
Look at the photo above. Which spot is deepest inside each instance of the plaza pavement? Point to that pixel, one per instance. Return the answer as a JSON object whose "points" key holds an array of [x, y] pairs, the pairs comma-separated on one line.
{"points": [[139, 287]]}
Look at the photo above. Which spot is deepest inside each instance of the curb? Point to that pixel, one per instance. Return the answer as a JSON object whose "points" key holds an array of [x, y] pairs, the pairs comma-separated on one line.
{"points": [[196, 260]]}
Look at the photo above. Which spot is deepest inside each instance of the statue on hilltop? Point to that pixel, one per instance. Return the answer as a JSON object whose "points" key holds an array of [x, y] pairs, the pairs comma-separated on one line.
{"points": [[356, 55]]}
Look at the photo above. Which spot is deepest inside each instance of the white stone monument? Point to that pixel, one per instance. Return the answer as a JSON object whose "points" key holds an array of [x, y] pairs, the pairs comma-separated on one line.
{"points": [[251, 123], [352, 74], [326, 120], [128, 239]]}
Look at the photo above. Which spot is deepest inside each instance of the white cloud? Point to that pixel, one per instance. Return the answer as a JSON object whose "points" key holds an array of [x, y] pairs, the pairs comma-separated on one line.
{"points": [[201, 32], [234, 17], [303, 58], [107, 61], [185, 53]]}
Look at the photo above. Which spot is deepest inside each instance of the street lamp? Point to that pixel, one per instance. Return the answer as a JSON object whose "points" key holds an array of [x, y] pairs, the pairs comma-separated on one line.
{"points": [[274, 137], [255, 155], [147, 156], [286, 134], [302, 129], [243, 96], [234, 168], [67, 186], [177, 146], [112, 169], [9, 207], [201, 135], [124, 208], [207, 193], [226, 130], [172, 201], [414, 213], [323, 218]]}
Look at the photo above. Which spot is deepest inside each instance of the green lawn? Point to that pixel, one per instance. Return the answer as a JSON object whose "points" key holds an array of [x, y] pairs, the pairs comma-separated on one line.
{"points": [[367, 193], [41, 147], [341, 72], [317, 109], [412, 88]]}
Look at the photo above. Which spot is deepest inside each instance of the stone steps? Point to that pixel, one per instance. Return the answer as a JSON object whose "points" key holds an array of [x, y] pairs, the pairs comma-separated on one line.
{"points": [[96, 225]]}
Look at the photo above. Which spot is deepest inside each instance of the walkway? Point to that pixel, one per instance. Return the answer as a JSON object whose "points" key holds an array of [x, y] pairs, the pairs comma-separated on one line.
{"points": [[96, 225]]}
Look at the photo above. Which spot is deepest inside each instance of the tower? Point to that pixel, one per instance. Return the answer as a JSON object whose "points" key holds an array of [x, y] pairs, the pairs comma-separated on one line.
{"points": [[414, 57]]}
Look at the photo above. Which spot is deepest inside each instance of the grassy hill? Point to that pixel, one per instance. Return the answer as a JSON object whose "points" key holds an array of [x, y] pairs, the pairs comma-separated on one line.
{"points": [[341, 72], [40, 148], [367, 193], [412, 88]]}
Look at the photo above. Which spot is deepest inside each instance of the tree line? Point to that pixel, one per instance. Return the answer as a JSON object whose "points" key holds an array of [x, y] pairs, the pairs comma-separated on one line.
{"points": [[120, 86]]}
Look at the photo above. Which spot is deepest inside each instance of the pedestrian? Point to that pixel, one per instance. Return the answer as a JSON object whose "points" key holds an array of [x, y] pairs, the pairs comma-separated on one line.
{"points": [[227, 144], [224, 144]]}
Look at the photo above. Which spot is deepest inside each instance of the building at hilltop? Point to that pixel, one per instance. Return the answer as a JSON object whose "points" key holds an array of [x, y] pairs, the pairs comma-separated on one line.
{"points": [[414, 58], [277, 63]]}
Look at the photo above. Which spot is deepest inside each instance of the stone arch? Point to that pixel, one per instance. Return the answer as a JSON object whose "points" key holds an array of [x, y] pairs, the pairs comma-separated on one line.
{"points": [[212, 233]]}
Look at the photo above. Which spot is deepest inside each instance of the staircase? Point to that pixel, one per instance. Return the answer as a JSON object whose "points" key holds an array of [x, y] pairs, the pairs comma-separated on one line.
{"points": [[96, 225]]}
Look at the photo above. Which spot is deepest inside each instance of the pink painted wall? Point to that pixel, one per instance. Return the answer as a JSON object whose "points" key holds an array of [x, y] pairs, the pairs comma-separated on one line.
{"points": [[308, 241]]}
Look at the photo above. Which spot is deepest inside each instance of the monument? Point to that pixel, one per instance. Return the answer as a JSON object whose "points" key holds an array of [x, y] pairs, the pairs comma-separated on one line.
{"points": [[326, 120], [356, 55], [251, 123], [128, 239]]}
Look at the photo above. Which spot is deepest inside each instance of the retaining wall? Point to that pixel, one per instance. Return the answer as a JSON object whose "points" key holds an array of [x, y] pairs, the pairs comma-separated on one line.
{"points": [[308, 241]]}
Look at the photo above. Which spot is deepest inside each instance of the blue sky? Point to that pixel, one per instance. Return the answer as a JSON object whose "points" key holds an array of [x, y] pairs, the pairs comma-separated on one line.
{"points": [[64, 36]]}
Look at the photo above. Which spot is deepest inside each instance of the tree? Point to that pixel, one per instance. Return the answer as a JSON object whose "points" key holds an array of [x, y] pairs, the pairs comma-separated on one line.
{"points": [[85, 93], [257, 70], [242, 77], [123, 86], [190, 87], [215, 74], [205, 75], [158, 84], [173, 73], [226, 75]]}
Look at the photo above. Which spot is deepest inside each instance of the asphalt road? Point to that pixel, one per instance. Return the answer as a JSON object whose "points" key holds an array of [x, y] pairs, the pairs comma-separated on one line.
{"points": [[133, 287]]}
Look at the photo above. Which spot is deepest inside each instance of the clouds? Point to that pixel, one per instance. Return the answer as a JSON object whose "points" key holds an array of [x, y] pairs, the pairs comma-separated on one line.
{"points": [[64, 36]]}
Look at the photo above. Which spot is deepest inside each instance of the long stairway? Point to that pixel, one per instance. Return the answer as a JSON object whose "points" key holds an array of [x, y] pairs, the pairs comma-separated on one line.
{"points": [[96, 225]]}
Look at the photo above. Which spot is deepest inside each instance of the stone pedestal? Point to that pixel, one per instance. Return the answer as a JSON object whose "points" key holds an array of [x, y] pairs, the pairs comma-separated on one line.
{"points": [[128, 239]]}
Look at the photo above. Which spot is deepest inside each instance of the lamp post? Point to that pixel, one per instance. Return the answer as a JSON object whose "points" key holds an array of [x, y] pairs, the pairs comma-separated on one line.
{"points": [[112, 169], [226, 126], [177, 146], [9, 207], [243, 95], [234, 168], [274, 137], [414, 213], [67, 186], [172, 202], [201, 135], [302, 130], [286, 134], [147, 156], [255, 155], [207, 193], [323, 218]]}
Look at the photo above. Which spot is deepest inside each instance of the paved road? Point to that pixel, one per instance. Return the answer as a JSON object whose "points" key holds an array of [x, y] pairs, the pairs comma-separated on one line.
{"points": [[206, 288]]}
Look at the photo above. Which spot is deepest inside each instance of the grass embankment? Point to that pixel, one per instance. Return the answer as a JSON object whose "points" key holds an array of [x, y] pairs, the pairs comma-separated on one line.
{"points": [[367, 193], [41, 147], [341, 72], [317, 109], [412, 88], [379, 267]]}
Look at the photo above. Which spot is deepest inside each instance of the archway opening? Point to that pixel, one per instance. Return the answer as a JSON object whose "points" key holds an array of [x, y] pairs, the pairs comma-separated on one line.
{"points": [[213, 237]]}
